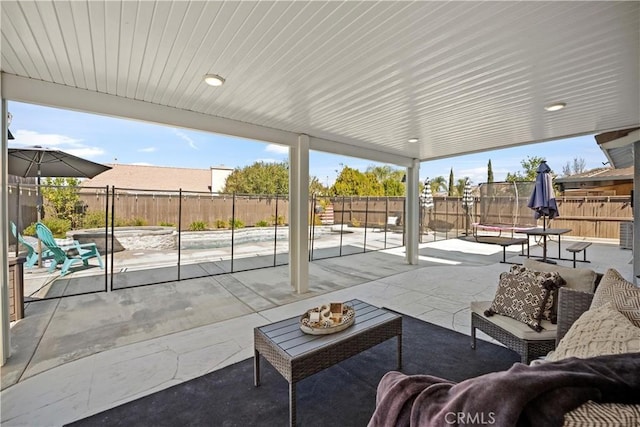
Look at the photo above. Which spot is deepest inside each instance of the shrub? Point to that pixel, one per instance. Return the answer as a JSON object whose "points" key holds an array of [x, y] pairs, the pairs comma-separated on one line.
{"points": [[30, 230], [119, 222], [221, 223], [262, 223], [58, 227], [198, 226], [138, 222], [279, 221], [93, 219], [236, 223], [355, 222], [166, 224]]}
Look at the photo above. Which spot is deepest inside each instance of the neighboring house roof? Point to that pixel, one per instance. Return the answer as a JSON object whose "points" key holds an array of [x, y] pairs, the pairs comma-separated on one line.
{"points": [[618, 146], [141, 177], [599, 175]]}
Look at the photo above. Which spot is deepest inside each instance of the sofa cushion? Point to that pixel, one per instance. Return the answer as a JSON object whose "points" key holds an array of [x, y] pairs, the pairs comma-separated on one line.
{"points": [[580, 279], [597, 332], [521, 297], [622, 294], [552, 281], [514, 327]]}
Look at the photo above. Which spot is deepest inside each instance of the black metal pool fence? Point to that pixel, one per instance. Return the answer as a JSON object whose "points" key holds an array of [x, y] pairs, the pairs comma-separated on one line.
{"points": [[152, 236]]}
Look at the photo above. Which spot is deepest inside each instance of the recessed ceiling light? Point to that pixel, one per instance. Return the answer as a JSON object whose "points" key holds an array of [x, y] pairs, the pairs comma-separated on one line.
{"points": [[413, 140], [213, 79], [555, 106]]}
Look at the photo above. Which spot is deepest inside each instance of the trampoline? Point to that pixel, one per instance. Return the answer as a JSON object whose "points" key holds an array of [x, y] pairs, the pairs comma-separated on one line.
{"points": [[503, 209]]}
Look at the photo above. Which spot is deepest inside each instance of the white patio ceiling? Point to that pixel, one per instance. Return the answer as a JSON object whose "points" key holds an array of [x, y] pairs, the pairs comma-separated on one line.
{"points": [[360, 78]]}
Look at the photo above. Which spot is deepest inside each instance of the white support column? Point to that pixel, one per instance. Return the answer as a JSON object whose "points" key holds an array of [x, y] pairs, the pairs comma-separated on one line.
{"points": [[299, 215], [636, 212], [412, 213], [5, 345]]}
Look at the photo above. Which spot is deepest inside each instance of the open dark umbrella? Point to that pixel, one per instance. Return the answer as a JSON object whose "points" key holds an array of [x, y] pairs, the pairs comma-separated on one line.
{"points": [[543, 198], [39, 161]]}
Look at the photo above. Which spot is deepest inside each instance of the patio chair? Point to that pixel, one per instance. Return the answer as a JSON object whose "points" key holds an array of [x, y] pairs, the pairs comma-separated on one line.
{"points": [[32, 253], [77, 252]]}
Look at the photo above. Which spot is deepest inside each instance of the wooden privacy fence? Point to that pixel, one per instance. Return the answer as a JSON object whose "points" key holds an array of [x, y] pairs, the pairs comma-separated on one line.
{"points": [[597, 216], [156, 208], [593, 216]]}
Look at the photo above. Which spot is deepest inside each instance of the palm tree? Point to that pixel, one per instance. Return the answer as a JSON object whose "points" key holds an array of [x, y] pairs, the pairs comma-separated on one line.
{"points": [[438, 183], [460, 186]]}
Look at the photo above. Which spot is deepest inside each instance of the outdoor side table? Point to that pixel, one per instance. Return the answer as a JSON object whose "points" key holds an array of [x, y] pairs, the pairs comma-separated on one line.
{"points": [[296, 355], [545, 233]]}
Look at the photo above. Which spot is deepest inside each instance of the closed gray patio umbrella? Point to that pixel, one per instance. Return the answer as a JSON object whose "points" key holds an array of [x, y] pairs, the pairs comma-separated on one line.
{"points": [[467, 198], [543, 202], [426, 199], [467, 204]]}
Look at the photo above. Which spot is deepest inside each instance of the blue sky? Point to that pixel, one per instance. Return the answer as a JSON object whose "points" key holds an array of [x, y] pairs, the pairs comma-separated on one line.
{"points": [[110, 140]]}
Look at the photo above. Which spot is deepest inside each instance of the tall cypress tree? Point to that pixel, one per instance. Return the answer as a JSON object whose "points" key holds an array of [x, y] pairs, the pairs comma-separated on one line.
{"points": [[489, 172], [452, 186]]}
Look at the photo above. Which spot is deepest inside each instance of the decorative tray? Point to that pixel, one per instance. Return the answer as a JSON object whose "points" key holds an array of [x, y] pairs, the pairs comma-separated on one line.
{"points": [[327, 319]]}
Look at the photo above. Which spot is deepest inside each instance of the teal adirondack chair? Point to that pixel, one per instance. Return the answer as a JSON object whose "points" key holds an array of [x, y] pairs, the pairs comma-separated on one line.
{"points": [[66, 257], [32, 253]]}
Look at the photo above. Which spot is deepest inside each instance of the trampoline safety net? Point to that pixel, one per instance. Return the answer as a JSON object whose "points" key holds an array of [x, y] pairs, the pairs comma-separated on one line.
{"points": [[504, 204]]}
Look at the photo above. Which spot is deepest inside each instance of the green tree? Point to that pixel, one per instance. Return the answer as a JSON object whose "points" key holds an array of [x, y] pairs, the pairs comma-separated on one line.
{"points": [[460, 186], [530, 165], [382, 173], [352, 182], [577, 167], [438, 183], [393, 187], [390, 178], [489, 172], [259, 178], [451, 184], [61, 198], [316, 187]]}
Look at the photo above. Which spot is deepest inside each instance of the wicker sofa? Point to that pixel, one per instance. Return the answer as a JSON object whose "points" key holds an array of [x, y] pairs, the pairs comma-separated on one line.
{"points": [[597, 335], [518, 336]]}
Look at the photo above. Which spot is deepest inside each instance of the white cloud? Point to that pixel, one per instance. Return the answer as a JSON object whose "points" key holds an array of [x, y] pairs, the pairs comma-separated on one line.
{"points": [[476, 175], [141, 164], [85, 152], [185, 137], [28, 138], [147, 150], [275, 148]]}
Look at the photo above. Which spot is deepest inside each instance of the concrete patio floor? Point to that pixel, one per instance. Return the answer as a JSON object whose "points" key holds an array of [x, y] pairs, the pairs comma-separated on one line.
{"points": [[79, 355]]}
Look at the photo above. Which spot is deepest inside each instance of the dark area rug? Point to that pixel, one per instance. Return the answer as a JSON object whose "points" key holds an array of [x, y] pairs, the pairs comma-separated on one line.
{"points": [[343, 395]]}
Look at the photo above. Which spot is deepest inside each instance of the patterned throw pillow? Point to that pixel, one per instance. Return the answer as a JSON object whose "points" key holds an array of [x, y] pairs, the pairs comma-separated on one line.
{"points": [[623, 295], [520, 297], [603, 414], [552, 281], [597, 332]]}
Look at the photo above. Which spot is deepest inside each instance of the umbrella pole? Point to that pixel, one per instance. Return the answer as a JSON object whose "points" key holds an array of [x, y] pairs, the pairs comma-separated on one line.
{"points": [[39, 217]]}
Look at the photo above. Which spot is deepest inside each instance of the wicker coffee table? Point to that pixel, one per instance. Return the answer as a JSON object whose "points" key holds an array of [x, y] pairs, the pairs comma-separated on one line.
{"points": [[296, 355]]}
